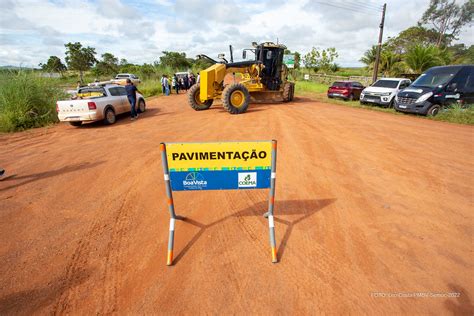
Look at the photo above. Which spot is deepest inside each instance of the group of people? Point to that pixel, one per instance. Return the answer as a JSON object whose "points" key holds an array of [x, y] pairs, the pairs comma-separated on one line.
{"points": [[177, 83]]}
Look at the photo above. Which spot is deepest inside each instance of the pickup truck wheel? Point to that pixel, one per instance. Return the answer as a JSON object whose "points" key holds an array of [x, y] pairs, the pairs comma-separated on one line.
{"points": [[76, 124], [141, 106], [110, 117], [390, 105]]}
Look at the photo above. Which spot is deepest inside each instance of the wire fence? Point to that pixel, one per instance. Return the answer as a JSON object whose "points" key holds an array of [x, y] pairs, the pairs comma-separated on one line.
{"points": [[329, 79]]}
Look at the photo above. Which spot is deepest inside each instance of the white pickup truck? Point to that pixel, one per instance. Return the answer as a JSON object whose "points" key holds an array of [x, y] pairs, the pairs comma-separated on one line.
{"points": [[95, 103]]}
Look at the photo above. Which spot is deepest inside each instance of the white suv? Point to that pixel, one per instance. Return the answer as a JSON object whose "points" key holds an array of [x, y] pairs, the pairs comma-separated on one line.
{"points": [[383, 91], [121, 79]]}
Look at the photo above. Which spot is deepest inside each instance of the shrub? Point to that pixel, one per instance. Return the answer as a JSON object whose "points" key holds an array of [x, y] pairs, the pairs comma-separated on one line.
{"points": [[27, 100]]}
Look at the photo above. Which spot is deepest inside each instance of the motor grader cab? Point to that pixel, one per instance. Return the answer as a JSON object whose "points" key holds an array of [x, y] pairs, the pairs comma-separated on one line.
{"points": [[265, 77]]}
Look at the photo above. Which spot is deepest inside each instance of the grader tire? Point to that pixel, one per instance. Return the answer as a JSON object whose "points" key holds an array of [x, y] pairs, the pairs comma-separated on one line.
{"points": [[287, 92], [194, 101], [292, 93], [235, 98]]}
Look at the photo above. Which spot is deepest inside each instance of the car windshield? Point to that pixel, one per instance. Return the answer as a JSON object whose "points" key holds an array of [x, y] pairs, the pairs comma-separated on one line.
{"points": [[385, 84], [340, 84], [436, 77]]}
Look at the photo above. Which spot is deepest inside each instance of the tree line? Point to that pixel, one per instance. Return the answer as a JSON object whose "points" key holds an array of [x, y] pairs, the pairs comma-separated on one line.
{"points": [[427, 44], [82, 59]]}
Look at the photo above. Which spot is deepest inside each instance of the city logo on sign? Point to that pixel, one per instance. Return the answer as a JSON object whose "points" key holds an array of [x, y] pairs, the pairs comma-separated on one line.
{"points": [[247, 179], [194, 181]]}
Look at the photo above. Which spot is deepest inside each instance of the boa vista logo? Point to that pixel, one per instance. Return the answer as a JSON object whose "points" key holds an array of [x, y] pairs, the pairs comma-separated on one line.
{"points": [[247, 179], [194, 180]]}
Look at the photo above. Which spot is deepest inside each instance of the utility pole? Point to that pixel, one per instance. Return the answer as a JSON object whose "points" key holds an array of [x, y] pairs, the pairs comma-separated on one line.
{"points": [[379, 46]]}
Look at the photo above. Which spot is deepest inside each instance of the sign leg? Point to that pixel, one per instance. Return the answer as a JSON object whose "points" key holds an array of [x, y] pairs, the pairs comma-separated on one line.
{"points": [[271, 225], [271, 204], [171, 243]]}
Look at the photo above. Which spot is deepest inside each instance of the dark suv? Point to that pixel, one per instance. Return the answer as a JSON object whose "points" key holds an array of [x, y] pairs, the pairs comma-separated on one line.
{"points": [[438, 87], [347, 90]]}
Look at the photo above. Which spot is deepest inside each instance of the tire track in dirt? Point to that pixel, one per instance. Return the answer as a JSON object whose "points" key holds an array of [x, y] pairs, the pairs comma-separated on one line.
{"points": [[74, 270], [111, 279]]}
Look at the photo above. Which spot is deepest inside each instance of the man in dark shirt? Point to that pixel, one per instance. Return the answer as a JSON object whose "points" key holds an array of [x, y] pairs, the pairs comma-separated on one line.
{"points": [[132, 98]]}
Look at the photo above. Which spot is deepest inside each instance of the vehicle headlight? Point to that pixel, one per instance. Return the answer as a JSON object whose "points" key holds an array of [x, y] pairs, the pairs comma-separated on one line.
{"points": [[361, 95], [424, 97]]}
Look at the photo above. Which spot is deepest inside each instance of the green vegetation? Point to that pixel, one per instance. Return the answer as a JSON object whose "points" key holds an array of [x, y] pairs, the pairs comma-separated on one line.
{"points": [[457, 114], [150, 87], [26, 101], [427, 44], [317, 92]]}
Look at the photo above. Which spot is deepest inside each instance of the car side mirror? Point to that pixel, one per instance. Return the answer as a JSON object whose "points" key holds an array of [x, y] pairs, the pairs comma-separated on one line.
{"points": [[244, 54], [221, 56]]}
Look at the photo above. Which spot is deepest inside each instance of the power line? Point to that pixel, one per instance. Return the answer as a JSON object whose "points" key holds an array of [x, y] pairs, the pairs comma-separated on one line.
{"points": [[368, 5], [344, 8], [357, 5]]}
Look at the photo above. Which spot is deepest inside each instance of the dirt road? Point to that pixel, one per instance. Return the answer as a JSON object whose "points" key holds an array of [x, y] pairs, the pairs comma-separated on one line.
{"points": [[367, 204]]}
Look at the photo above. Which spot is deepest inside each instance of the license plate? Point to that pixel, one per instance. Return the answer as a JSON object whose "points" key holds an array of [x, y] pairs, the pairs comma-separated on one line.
{"points": [[370, 100], [336, 94], [402, 106]]}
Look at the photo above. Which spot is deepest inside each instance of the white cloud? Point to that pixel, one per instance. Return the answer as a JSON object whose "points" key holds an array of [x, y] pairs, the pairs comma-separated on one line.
{"points": [[138, 30]]}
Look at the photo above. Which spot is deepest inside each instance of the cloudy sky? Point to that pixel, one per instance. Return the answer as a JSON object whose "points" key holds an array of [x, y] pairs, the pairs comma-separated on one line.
{"points": [[139, 30]]}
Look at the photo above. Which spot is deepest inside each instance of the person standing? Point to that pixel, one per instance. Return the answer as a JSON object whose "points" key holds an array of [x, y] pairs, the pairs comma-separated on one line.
{"points": [[166, 85], [132, 98], [186, 82], [176, 83], [163, 84]]}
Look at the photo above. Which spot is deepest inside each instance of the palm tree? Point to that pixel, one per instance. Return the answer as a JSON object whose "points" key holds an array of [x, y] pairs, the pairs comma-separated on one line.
{"points": [[419, 57], [391, 63], [369, 57]]}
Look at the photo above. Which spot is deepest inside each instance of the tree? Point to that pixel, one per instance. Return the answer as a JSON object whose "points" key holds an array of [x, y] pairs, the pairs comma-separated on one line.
{"points": [[460, 54], [80, 58], [323, 59], [174, 60], [369, 57], [420, 57], [54, 64], [447, 17], [391, 63], [412, 36], [108, 65]]}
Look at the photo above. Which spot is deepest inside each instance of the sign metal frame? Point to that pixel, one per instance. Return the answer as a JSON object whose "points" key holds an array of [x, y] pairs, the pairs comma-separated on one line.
{"points": [[174, 217]]}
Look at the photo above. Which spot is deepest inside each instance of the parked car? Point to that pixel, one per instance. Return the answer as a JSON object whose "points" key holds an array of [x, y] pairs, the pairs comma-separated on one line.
{"points": [[436, 88], [383, 91], [121, 79], [347, 90], [95, 103]]}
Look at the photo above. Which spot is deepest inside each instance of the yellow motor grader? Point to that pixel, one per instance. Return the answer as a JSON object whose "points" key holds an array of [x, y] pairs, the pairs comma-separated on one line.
{"points": [[265, 77]]}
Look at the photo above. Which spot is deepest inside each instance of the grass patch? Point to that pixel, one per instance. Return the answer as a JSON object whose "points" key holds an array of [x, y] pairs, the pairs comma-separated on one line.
{"points": [[150, 87], [318, 92], [456, 114], [27, 100]]}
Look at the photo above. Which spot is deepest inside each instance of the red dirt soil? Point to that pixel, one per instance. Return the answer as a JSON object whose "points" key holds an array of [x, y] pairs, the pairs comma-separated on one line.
{"points": [[365, 202]]}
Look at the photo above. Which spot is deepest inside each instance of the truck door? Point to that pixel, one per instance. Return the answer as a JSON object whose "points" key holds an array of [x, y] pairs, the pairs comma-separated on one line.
{"points": [[123, 95], [468, 93], [461, 88], [118, 100]]}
